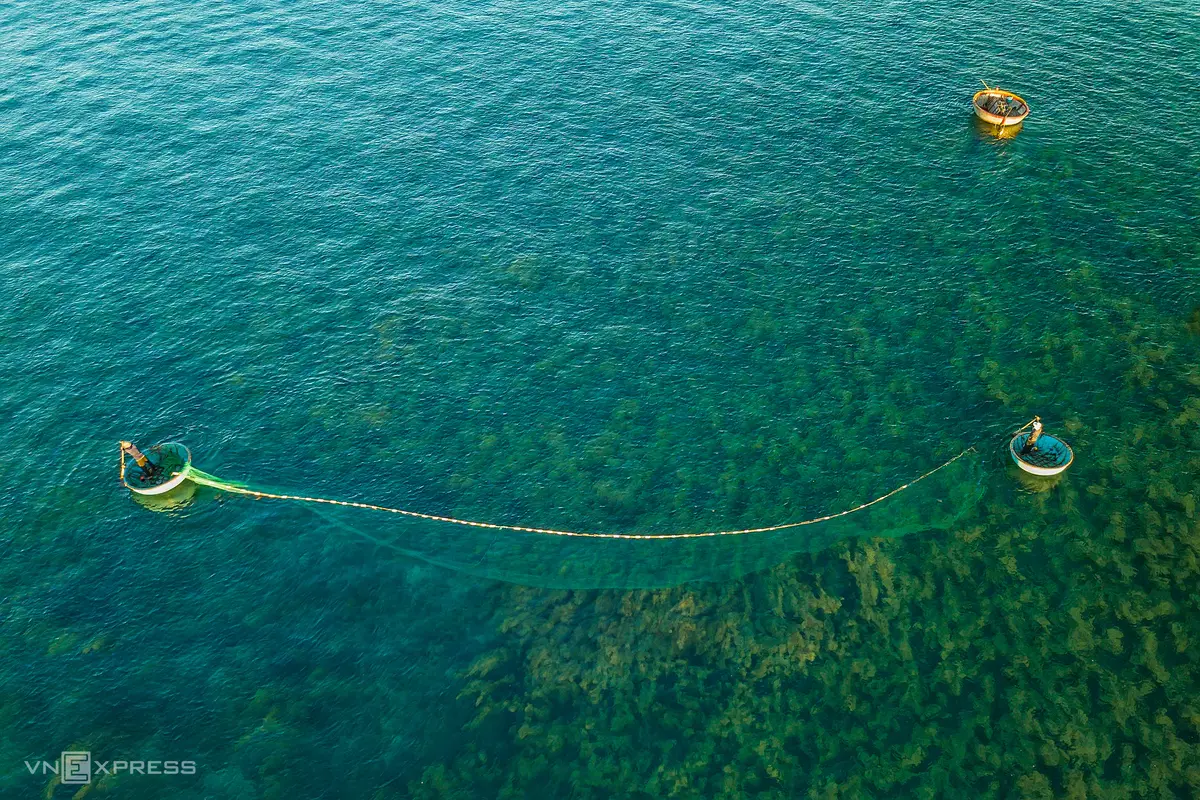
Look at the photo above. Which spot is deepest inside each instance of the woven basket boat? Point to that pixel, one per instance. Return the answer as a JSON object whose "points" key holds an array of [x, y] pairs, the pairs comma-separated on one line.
{"points": [[999, 107], [1051, 457], [174, 462]]}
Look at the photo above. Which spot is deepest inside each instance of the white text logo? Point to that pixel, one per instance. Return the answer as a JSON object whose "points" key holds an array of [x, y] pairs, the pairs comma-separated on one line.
{"points": [[77, 767]]}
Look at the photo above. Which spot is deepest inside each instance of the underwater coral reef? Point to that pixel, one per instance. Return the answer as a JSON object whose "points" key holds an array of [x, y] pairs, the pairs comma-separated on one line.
{"points": [[1045, 648]]}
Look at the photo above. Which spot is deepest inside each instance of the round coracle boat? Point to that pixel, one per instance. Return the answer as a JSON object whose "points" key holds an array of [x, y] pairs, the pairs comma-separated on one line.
{"points": [[168, 467], [1049, 456], [998, 107]]}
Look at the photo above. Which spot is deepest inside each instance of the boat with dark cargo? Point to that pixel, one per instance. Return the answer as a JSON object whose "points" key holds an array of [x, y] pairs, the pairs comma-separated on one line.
{"points": [[999, 107], [158, 470]]}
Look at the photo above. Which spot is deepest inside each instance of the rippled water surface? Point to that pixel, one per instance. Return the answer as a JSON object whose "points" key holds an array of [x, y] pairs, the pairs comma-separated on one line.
{"points": [[619, 266]]}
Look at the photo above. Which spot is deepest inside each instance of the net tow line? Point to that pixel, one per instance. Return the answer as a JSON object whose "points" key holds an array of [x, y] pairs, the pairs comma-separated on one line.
{"points": [[255, 493]]}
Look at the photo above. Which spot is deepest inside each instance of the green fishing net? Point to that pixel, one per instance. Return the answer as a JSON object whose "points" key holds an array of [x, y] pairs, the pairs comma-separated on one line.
{"points": [[938, 500]]}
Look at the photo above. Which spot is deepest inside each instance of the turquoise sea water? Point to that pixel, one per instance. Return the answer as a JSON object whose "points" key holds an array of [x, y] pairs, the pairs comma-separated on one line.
{"points": [[648, 266]]}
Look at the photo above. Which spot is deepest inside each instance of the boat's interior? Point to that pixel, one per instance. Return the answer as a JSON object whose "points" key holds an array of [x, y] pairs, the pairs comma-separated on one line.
{"points": [[1050, 452], [1002, 105], [167, 461]]}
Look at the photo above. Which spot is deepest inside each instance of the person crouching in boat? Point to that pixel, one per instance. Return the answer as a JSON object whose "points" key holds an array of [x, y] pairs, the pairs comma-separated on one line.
{"points": [[1031, 444], [139, 458]]}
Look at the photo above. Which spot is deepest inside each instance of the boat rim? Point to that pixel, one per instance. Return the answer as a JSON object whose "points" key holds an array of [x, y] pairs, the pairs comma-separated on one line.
{"points": [[1012, 448], [176, 479]]}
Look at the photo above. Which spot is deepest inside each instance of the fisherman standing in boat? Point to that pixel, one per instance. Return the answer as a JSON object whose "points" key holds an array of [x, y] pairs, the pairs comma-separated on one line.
{"points": [[1031, 443], [139, 458]]}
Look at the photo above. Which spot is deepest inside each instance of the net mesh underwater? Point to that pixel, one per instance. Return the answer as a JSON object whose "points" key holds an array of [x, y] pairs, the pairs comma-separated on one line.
{"points": [[932, 501]]}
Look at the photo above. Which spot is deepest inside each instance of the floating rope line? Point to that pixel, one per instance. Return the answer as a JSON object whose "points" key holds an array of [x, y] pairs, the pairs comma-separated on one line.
{"points": [[208, 480]]}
